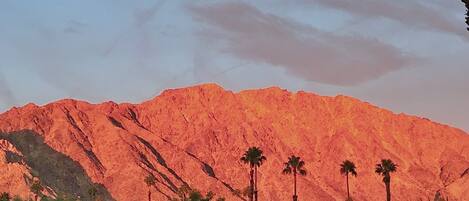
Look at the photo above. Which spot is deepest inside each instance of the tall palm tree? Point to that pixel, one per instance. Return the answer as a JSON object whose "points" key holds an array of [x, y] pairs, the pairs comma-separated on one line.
{"points": [[294, 166], [36, 188], [253, 156], [385, 168], [348, 167], [150, 180]]}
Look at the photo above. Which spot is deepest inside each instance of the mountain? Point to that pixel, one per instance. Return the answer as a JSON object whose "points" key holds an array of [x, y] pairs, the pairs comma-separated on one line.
{"points": [[196, 136]]}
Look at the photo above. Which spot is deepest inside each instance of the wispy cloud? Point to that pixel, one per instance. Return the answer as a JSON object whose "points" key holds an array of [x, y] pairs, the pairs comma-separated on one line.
{"points": [[415, 14], [71, 30], [144, 16], [74, 27], [302, 50], [141, 17]]}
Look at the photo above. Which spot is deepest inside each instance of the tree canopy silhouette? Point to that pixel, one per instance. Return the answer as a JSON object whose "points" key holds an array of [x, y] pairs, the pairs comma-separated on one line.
{"points": [[294, 166], [385, 168], [348, 167], [254, 157]]}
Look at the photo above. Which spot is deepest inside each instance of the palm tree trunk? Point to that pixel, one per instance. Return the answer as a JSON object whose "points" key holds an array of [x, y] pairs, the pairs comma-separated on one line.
{"points": [[35, 197], [251, 184], [295, 196], [149, 194], [348, 191], [388, 191], [255, 183]]}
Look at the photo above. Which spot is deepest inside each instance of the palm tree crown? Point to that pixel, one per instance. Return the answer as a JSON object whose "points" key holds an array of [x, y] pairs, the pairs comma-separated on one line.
{"points": [[384, 168], [294, 165], [348, 167], [253, 156]]}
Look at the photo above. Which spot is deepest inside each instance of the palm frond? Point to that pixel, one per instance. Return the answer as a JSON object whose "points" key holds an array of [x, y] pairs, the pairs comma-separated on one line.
{"points": [[379, 169], [295, 164], [354, 173], [301, 164], [302, 172], [287, 170]]}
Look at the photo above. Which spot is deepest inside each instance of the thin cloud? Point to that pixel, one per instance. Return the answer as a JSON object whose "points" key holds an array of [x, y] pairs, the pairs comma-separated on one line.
{"points": [[141, 17], [144, 16], [71, 30], [74, 27], [301, 50], [416, 14]]}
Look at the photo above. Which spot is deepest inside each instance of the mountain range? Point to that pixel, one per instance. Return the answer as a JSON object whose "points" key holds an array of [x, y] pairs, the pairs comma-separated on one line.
{"points": [[195, 137]]}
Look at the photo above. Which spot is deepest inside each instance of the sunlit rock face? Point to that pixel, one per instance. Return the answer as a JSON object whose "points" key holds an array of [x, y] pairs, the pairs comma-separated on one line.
{"points": [[196, 136]]}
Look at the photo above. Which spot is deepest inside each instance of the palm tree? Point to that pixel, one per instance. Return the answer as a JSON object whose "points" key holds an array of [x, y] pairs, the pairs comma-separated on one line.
{"points": [[385, 168], [253, 156], [36, 188], [348, 167], [296, 166], [150, 180]]}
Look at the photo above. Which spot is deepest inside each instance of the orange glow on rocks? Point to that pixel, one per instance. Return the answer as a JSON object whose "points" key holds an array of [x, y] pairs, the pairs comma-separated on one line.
{"points": [[196, 135]]}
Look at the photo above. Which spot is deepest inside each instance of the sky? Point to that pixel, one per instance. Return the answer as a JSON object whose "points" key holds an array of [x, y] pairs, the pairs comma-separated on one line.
{"points": [[408, 56]]}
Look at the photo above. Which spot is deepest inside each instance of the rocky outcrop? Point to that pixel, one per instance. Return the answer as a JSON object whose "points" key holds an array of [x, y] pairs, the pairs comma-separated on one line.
{"points": [[196, 135]]}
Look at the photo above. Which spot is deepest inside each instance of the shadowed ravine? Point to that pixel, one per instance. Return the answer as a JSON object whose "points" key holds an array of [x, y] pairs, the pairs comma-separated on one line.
{"points": [[56, 170]]}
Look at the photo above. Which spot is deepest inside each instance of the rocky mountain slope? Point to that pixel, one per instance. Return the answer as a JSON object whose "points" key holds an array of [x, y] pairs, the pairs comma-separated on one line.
{"points": [[196, 135]]}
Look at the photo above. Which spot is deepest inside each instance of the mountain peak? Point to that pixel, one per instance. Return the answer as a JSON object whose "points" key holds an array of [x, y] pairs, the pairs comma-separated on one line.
{"points": [[206, 87]]}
